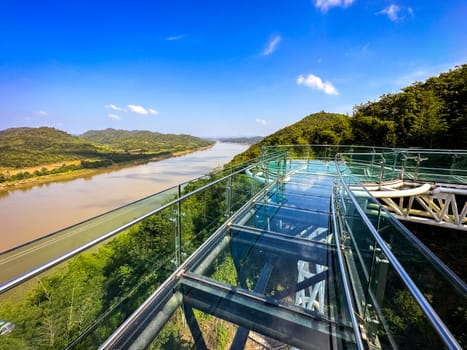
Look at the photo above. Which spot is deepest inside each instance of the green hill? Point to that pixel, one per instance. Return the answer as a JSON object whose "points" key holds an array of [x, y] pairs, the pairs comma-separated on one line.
{"points": [[30, 147], [144, 141], [318, 128], [25, 147], [430, 114]]}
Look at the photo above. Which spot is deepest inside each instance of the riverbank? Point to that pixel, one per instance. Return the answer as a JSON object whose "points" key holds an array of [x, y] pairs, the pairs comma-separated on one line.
{"points": [[24, 184], [37, 210]]}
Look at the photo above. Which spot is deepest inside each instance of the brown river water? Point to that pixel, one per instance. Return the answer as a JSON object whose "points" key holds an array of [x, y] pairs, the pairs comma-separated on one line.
{"points": [[27, 214]]}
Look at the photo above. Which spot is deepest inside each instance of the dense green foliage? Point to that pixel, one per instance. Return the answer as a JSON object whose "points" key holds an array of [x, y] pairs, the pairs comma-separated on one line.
{"points": [[144, 141], [425, 114], [318, 128]]}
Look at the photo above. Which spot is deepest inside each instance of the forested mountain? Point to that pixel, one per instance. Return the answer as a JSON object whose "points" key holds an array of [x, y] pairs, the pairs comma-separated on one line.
{"points": [[425, 114], [23, 147], [145, 141], [430, 114], [27, 147]]}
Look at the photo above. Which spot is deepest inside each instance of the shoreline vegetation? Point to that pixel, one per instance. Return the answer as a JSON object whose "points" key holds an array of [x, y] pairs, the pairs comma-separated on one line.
{"points": [[71, 170]]}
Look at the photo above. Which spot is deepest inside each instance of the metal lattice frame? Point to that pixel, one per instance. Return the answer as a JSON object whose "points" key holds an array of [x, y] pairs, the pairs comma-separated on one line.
{"points": [[439, 206]]}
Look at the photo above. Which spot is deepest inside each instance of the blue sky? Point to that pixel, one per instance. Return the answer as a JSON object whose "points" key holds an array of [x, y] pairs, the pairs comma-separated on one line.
{"points": [[214, 68]]}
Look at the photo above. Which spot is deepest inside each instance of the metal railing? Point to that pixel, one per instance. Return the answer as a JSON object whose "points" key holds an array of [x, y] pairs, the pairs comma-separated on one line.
{"points": [[83, 294], [409, 164], [370, 254]]}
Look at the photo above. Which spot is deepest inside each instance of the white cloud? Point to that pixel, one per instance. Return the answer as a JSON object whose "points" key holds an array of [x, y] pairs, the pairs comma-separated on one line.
{"points": [[392, 11], [396, 13], [113, 116], [137, 109], [42, 113], [272, 45], [131, 108], [314, 82], [261, 121], [175, 37], [325, 5], [114, 108]]}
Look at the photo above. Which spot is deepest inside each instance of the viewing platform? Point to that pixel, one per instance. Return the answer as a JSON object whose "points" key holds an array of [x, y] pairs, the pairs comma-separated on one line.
{"points": [[299, 249]]}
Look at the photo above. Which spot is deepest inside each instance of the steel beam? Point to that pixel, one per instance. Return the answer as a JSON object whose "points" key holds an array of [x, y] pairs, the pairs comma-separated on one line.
{"points": [[287, 323]]}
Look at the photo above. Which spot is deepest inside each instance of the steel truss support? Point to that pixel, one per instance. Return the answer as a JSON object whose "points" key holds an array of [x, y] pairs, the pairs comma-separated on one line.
{"points": [[438, 207]]}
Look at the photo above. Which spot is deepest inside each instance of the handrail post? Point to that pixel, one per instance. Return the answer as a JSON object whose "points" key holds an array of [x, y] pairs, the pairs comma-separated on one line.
{"points": [[178, 230], [228, 206], [381, 171], [404, 165]]}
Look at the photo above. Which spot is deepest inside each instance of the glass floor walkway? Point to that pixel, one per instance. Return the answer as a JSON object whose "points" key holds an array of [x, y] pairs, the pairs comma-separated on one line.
{"points": [[271, 277], [287, 251]]}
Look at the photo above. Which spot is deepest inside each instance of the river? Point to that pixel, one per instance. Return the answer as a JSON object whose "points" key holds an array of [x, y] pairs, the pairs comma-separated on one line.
{"points": [[27, 214]]}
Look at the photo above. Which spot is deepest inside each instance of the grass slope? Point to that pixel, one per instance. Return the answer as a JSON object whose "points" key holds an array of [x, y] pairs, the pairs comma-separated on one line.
{"points": [[25, 147]]}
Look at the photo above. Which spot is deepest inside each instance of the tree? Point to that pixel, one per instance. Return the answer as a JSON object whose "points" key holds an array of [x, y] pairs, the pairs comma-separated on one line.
{"points": [[372, 131], [430, 122]]}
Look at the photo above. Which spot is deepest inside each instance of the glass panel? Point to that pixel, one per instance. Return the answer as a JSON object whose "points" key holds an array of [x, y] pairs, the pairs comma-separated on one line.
{"points": [[449, 302], [396, 320], [201, 214], [51, 310], [289, 221], [359, 245], [305, 201], [243, 188], [425, 165], [38, 252], [265, 265]]}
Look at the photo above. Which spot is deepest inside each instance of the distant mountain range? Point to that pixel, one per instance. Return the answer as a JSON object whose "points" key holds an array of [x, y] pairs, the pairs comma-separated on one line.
{"points": [[143, 140], [245, 140]]}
